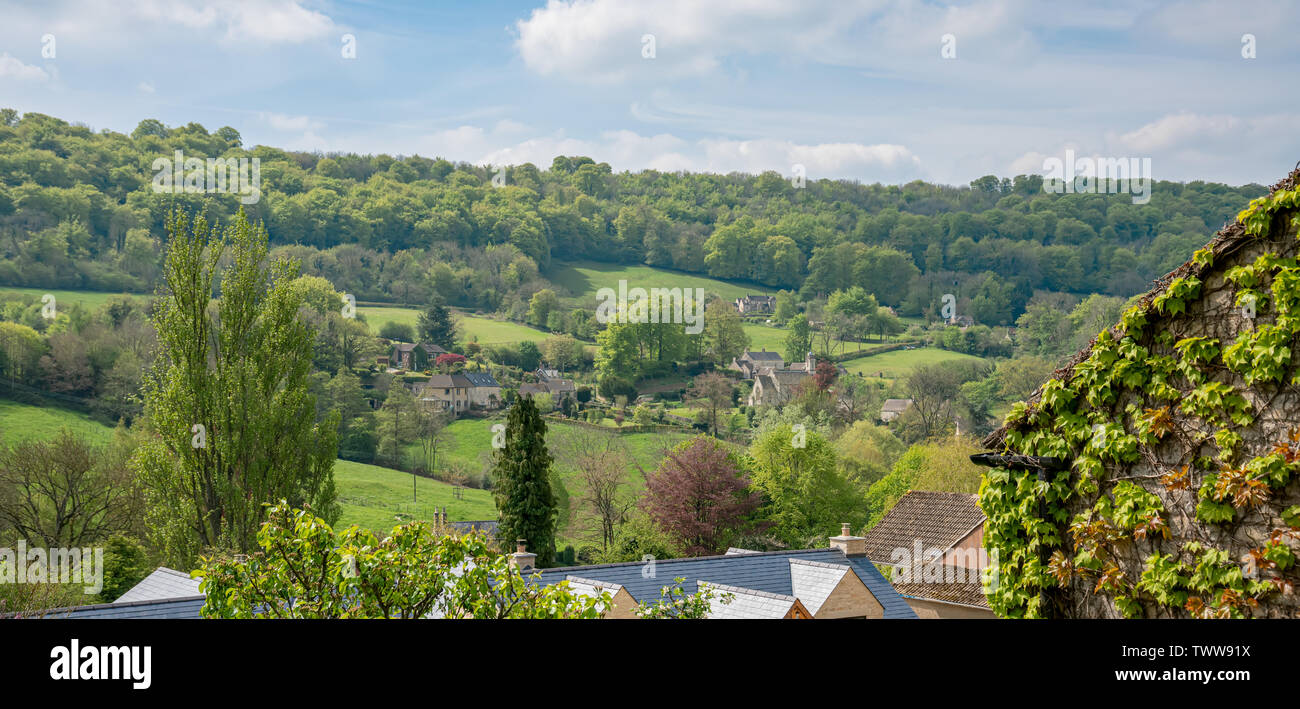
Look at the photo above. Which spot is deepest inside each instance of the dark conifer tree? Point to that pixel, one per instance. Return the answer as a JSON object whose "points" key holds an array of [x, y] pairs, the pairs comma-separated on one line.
{"points": [[526, 507]]}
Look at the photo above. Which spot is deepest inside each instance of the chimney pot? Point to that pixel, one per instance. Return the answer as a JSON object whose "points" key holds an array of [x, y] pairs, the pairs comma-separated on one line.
{"points": [[520, 546], [844, 529]]}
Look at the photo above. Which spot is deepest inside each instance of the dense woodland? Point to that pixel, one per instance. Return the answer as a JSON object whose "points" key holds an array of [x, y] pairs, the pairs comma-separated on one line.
{"points": [[77, 210]]}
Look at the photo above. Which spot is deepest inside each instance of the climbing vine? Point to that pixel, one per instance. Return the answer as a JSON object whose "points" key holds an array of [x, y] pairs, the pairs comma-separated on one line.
{"points": [[1135, 392]]}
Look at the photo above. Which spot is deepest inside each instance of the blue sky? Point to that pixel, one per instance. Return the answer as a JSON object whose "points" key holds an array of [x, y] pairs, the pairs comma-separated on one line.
{"points": [[847, 89]]}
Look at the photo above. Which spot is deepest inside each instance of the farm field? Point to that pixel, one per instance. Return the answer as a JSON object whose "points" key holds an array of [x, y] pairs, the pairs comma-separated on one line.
{"points": [[24, 422], [583, 278], [87, 298], [379, 499], [773, 340], [489, 331], [371, 496], [901, 363]]}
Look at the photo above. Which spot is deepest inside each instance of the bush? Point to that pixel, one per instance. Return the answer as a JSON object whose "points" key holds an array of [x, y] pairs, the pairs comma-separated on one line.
{"points": [[401, 332]]}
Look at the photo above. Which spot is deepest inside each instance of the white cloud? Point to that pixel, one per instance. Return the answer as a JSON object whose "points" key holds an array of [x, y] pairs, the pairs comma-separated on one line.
{"points": [[602, 40], [291, 124], [145, 87], [1180, 129], [236, 21], [12, 68], [628, 150]]}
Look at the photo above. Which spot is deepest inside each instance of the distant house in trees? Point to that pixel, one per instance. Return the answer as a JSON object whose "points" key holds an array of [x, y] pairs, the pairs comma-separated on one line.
{"points": [[934, 540], [749, 362], [774, 387], [1171, 445], [835, 582], [894, 408], [414, 357], [550, 382], [755, 304]]}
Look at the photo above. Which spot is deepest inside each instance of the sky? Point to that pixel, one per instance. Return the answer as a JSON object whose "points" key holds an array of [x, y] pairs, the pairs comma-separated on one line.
{"points": [[869, 90]]}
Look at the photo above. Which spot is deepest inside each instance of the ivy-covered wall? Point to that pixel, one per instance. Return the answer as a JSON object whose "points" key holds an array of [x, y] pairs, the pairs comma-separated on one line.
{"points": [[1182, 428]]}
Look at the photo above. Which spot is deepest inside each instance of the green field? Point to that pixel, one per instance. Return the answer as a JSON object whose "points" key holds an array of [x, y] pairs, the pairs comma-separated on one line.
{"points": [[87, 298], [583, 278], [901, 363], [371, 496], [488, 331], [379, 499], [22, 422]]}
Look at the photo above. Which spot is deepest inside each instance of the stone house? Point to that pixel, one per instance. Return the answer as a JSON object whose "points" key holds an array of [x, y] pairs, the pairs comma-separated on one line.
{"points": [[1156, 474], [749, 363], [756, 304]]}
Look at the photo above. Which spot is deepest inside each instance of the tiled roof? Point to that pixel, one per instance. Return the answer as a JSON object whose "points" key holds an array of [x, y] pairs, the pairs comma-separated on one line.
{"points": [[764, 354], [937, 519], [898, 405], [163, 583], [968, 592], [761, 571], [481, 379], [488, 526], [161, 608]]}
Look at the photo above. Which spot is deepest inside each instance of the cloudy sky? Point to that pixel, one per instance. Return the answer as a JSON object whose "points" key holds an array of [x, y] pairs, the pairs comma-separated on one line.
{"points": [[846, 88]]}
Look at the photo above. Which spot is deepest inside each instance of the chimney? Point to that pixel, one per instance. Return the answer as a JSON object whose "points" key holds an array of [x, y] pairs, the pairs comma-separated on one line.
{"points": [[522, 559], [849, 544]]}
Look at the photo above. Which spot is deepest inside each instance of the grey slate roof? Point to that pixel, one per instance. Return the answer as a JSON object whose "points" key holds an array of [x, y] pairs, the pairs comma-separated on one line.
{"points": [[481, 379], [488, 526], [762, 571], [163, 583], [169, 608]]}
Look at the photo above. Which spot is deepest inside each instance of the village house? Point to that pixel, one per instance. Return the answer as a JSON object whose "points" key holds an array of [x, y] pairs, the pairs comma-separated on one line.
{"points": [[934, 540], [414, 357], [450, 392], [774, 387], [749, 362], [755, 304], [835, 582], [1176, 435], [485, 391], [893, 408]]}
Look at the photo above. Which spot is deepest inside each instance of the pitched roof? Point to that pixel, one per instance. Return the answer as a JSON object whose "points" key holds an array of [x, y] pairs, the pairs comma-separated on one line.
{"points": [[432, 348], [1228, 240], [746, 603], [448, 381], [488, 526], [967, 593], [937, 519], [896, 405], [768, 572], [163, 583], [813, 582], [763, 355], [168, 608], [481, 379], [561, 385]]}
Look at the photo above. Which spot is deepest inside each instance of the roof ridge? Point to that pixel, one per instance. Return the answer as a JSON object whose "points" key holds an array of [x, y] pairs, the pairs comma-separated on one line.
{"points": [[756, 554]]}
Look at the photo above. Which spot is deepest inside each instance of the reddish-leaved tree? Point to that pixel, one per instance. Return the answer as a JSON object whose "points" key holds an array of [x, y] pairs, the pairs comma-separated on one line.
{"points": [[699, 495]]}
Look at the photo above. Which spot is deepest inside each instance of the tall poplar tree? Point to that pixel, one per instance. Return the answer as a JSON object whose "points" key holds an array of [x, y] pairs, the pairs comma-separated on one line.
{"points": [[233, 423], [526, 507]]}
